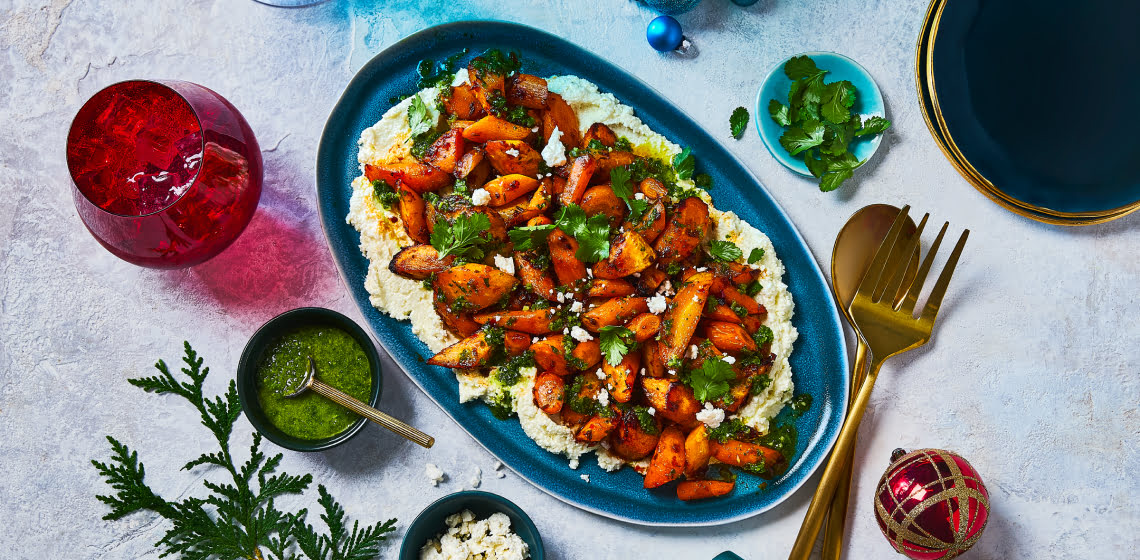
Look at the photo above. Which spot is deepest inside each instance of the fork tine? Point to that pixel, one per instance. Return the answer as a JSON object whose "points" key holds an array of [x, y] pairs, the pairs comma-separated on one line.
{"points": [[871, 277], [920, 278], [900, 260], [930, 312]]}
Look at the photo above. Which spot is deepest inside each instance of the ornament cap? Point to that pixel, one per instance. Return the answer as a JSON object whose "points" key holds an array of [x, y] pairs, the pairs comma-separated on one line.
{"points": [[897, 454]]}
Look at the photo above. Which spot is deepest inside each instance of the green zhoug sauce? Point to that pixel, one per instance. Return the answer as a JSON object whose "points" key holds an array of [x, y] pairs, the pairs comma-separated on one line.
{"points": [[341, 362]]}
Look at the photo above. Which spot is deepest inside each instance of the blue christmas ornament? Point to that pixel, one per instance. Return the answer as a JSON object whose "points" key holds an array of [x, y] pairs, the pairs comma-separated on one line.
{"points": [[664, 34], [672, 7]]}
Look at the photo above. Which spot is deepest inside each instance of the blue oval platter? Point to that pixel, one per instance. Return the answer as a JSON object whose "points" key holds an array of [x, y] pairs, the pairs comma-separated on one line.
{"points": [[819, 360]]}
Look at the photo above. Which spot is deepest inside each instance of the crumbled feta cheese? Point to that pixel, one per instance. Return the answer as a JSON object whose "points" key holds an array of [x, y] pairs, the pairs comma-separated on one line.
{"points": [[701, 269], [711, 416], [560, 297], [585, 477], [554, 154], [500, 474], [604, 397], [535, 129], [477, 478], [435, 474], [468, 537], [580, 334], [576, 307], [637, 275], [497, 465], [513, 152], [505, 264], [652, 411], [672, 372], [534, 340], [642, 371], [639, 195], [601, 374], [665, 288], [589, 273], [693, 351], [729, 360], [461, 78], [480, 197], [697, 298]]}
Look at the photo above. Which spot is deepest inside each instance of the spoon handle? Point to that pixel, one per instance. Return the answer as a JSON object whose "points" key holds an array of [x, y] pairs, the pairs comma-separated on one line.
{"points": [[817, 509], [833, 531], [372, 414]]}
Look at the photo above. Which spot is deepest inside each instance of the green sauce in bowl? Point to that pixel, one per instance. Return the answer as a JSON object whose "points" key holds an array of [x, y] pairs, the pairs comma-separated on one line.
{"points": [[341, 362]]}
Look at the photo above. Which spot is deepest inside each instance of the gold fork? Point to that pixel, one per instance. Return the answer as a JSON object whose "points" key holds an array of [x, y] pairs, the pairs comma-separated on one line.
{"points": [[888, 329]]}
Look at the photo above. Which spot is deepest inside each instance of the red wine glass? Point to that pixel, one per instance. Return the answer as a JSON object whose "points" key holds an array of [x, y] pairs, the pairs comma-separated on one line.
{"points": [[164, 173]]}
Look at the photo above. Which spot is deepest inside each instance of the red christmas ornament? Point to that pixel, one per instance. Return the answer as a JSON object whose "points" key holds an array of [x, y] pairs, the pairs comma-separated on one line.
{"points": [[931, 504]]}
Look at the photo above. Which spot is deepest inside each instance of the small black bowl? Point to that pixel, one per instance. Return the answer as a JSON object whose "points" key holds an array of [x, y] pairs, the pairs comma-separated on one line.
{"points": [[268, 334]]}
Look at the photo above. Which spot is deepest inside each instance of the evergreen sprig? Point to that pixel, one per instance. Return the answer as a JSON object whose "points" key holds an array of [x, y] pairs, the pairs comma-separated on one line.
{"points": [[238, 519]]}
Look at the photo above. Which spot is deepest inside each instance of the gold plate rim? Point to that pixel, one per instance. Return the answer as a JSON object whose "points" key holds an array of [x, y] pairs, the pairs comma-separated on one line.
{"points": [[940, 132]]}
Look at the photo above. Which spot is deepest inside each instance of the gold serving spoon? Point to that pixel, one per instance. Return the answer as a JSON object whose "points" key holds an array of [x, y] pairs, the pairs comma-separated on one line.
{"points": [[344, 399], [854, 250]]}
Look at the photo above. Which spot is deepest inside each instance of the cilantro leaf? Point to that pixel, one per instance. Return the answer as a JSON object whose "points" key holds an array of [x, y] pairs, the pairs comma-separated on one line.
{"points": [[799, 138], [592, 233], [779, 113], [725, 251], [755, 256], [838, 99], [463, 237], [711, 381], [615, 342], [526, 238], [816, 166], [839, 169], [623, 188], [802, 67], [684, 164], [836, 138], [738, 121], [419, 117], [873, 125]]}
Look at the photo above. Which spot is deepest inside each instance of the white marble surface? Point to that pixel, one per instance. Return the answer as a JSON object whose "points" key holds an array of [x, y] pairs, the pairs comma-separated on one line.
{"points": [[1032, 374]]}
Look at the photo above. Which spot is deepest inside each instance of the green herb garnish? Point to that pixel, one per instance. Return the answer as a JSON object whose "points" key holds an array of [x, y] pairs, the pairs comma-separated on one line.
{"points": [[759, 383], [419, 117], [684, 164], [819, 124], [592, 233], [384, 195], [724, 251], [711, 381], [755, 256], [615, 341], [763, 335], [239, 519], [737, 122], [623, 188], [727, 430], [463, 237]]}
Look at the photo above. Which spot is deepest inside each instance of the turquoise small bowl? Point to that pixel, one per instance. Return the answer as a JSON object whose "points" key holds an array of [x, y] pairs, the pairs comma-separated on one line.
{"points": [[869, 102], [432, 521], [268, 334]]}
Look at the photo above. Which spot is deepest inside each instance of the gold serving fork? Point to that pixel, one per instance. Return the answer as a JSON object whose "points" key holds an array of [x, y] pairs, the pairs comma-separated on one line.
{"points": [[888, 328]]}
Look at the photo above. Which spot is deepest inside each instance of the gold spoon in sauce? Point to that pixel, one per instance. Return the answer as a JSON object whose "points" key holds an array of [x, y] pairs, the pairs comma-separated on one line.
{"points": [[855, 247], [310, 382]]}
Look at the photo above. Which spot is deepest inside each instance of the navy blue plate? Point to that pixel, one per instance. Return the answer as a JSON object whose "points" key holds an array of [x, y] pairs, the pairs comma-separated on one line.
{"points": [[1038, 95], [820, 357]]}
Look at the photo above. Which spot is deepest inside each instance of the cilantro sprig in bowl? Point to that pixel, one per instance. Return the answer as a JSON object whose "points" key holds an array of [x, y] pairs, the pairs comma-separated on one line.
{"points": [[832, 117]]}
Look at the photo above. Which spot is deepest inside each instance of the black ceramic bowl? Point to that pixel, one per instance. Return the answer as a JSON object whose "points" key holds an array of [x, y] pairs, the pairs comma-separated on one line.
{"points": [[432, 521], [255, 350]]}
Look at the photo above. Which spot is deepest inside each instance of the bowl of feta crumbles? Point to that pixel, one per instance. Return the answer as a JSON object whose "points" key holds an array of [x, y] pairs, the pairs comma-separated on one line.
{"points": [[472, 525]]}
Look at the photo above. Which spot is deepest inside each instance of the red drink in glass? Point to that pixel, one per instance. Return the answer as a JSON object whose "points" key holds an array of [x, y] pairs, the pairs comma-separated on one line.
{"points": [[165, 174]]}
